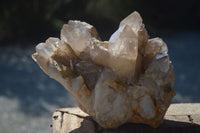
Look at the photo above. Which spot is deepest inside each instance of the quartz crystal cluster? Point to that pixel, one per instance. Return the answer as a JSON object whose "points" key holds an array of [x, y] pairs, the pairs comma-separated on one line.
{"points": [[129, 78]]}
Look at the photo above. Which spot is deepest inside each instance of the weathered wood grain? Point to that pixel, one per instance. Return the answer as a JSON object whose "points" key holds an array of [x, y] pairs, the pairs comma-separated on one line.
{"points": [[179, 118]]}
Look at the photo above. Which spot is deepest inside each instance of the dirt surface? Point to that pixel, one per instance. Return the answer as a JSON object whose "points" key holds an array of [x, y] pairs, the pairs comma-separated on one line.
{"points": [[28, 97]]}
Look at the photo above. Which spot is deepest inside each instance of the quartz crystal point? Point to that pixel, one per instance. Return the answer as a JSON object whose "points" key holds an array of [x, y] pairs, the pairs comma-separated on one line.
{"points": [[126, 79], [76, 34], [123, 51]]}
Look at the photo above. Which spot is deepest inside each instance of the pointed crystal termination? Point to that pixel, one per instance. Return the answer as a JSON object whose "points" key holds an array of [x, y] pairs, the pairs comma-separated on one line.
{"points": [[129, 78], [123, 50], [134, 20], [77, 34]]}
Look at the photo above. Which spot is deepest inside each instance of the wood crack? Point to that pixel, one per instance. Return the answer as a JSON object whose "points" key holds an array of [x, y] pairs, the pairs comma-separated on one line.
{"points": [[62, 113], [190, 118]]}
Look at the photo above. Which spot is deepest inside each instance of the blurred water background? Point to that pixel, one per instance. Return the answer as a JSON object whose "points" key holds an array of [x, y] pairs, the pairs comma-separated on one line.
{"points": [[28, 97]]}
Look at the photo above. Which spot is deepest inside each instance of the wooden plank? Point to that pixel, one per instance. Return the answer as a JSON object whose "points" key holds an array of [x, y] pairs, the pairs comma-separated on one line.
{"points": [[184, 109], [76, 124], [179, 118], [56, 122], [195, 119]]}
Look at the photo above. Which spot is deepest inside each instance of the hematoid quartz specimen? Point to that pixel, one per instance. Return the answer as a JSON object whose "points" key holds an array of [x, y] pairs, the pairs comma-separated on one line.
{"points": [[129, 78]]}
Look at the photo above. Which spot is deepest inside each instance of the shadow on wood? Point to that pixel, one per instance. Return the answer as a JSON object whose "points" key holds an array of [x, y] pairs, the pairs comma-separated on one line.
{"points": [[168, 126], [183, 118]]}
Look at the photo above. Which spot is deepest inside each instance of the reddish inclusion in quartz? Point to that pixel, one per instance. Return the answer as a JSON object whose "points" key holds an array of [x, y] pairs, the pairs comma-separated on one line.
{"points": [[126, 79]]}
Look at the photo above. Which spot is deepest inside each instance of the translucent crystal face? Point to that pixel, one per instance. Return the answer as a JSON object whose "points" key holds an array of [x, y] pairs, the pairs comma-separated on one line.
{"points": [[134, 20], [123, 51], [77, 34], [99, 52], [126, 79]]}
